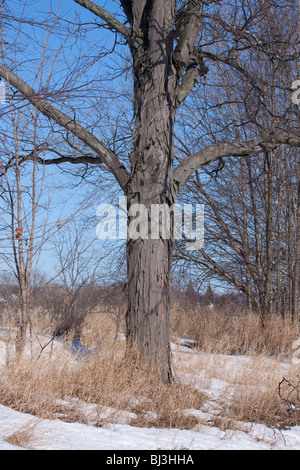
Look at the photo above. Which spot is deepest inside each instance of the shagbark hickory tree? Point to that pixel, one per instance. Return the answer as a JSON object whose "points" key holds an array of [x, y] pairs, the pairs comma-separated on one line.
{"points": [[168, 41]]}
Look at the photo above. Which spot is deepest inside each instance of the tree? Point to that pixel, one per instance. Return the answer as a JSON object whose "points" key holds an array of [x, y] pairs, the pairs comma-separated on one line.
{"points": [[25, 204], [77, 269], [26, 196], [251, 203], [209, 295], [169, 42]]}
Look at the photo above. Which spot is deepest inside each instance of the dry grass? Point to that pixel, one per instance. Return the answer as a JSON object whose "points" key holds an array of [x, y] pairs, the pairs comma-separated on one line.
{"points": [[242, 390], [232, 331], [98, 389], [27, 435], [108, 386], [246, 388]]}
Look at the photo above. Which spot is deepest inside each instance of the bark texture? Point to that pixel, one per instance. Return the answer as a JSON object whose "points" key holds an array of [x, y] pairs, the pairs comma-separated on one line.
{"points": [[149, 260]]}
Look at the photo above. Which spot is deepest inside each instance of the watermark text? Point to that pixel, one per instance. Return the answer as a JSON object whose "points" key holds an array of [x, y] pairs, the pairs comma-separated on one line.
{"points": [[160, 221]]}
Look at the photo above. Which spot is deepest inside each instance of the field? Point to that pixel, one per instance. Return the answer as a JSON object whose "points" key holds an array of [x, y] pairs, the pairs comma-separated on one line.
{"points": [[225, 395]]}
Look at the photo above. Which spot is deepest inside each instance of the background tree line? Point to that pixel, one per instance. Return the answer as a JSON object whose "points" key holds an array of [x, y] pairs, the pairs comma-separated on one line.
{"points": [[252, 205]]}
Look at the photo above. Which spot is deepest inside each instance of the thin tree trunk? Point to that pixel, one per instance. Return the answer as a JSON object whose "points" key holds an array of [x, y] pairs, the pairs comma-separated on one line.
{"points": [[279, 300], [22, 325], [296, 290], [245, 239], [290, 260], [23, 313], [269, 226]]}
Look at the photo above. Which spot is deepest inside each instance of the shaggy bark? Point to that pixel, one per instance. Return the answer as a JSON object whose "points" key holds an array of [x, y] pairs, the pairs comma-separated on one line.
{"points": [[151, 181]]}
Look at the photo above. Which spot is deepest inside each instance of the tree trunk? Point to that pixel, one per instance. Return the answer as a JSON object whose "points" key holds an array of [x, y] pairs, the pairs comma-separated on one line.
{"points": [[268, 304], [148, 316], [151, 185], [149, 248], [245, 239], [297, 256], [22, 324], [149, 255]]}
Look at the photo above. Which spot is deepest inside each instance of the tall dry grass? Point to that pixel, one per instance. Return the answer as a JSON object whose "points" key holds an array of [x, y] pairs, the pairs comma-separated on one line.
{"points": [[233, 331], [111, 386], [247, 389], [105, 387]]}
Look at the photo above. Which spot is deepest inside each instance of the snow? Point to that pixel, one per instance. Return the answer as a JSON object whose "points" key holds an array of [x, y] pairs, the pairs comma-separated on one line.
{"points": [[2, 353], [121, 436], [58, 435]]}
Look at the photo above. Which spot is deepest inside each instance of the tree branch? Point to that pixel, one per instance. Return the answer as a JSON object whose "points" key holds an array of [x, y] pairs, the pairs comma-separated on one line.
{"points": [[188, 23], [210, 264], [110, 20], [195, 70], [107, 156], [66, 159], [190, 164]]}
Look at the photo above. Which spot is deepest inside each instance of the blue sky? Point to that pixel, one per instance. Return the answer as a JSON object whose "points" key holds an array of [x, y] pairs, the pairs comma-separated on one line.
{"points": [[71, 198]]}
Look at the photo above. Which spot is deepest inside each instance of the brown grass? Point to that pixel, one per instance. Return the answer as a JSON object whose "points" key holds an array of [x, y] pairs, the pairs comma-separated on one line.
{"points": [[27, 435], [109, 386], [250, 392], [109, 382], [232, 331]]}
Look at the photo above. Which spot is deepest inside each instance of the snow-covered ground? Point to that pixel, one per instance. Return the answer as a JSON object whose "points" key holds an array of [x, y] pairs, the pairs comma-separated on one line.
{"points": [[59, 435]]}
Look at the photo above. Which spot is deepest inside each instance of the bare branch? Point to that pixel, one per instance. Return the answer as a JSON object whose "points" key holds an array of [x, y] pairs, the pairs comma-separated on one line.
{"points": [[188, 22], [110, 20], [87, 160], [190, 164], [196, 69], [108, 157], [213, 266]]}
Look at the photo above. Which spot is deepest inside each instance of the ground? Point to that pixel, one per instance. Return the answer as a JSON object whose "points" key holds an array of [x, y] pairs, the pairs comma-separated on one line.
{"points": [[58, 435], [24, 431]]}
